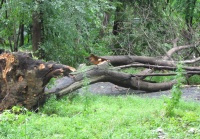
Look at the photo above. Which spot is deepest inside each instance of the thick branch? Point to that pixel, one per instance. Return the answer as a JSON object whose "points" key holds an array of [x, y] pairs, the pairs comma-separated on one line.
{"points": [[97, 74], [166, 74], [191, 61], [124, 60], [178, 48]]}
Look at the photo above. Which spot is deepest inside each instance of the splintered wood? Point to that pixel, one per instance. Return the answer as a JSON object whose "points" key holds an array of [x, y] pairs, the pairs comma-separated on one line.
{"points": [[9, 60]]}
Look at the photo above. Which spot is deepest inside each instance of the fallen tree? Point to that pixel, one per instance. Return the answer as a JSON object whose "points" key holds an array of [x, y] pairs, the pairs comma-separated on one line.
{"points": [[23, 78]]}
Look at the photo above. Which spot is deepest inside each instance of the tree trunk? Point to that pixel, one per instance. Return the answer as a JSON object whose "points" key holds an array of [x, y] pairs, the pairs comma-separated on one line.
{"points": [[36, 31], [21, 34], [37, 27], [118, 22]]}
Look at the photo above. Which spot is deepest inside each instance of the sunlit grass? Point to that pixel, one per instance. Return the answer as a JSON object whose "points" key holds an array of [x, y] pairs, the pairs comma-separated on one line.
{"points": [[106, 117]]}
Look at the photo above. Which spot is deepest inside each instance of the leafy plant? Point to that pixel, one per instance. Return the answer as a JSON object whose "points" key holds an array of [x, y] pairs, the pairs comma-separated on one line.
{"points": [[51, 106], [176, 92], [70, 37]]}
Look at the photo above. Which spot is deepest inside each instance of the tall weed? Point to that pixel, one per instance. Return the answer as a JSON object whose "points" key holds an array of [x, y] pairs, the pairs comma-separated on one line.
{"points": [[176, 92]]}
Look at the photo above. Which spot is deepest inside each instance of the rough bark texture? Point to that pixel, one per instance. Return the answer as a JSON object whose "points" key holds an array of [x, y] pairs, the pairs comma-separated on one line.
{"points": [[23, 79], [36, 31]]}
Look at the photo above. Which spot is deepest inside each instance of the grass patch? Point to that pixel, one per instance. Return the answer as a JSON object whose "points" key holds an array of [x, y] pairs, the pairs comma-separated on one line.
{"points": [[195, 79], [105, 117], [158, 79], [132, 70]]}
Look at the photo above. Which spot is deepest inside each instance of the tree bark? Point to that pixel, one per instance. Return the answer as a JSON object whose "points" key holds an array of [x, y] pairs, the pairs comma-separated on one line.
{"points": [[21, 34], [36, 31]]}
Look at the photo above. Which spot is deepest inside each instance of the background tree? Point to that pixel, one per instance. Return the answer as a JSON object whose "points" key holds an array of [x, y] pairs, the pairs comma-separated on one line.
{"points": [[70, 30], [37, 23], [15, 17]]}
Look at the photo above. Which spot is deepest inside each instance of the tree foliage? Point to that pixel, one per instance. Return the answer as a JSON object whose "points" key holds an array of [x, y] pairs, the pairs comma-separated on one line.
{"points": [[70, 30]]}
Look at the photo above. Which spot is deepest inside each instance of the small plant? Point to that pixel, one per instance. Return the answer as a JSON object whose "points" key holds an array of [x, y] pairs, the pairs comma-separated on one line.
{"points": [[87, 95], [51, 106], [176, 92], [15, 116]]}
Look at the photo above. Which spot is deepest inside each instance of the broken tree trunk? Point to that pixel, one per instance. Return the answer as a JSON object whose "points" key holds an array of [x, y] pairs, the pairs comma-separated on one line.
{"points": [[23, 79]]}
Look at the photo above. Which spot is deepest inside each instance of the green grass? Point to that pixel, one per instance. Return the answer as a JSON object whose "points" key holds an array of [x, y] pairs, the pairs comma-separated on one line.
{"points": [[194, 80], [102, 117]]}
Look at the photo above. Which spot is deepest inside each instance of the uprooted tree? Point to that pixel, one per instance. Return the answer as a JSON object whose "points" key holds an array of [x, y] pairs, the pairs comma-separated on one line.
{"points": [[23, 79]]}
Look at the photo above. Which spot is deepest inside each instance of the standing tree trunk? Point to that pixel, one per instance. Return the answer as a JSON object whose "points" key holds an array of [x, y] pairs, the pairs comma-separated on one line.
{"points": [[36, 31], [21, 34], [118, 26], [118, 23], [37, 28]]}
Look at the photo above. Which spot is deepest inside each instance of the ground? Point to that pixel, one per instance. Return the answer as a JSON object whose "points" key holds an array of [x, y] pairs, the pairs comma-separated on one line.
{"points": [[106, 88]]}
